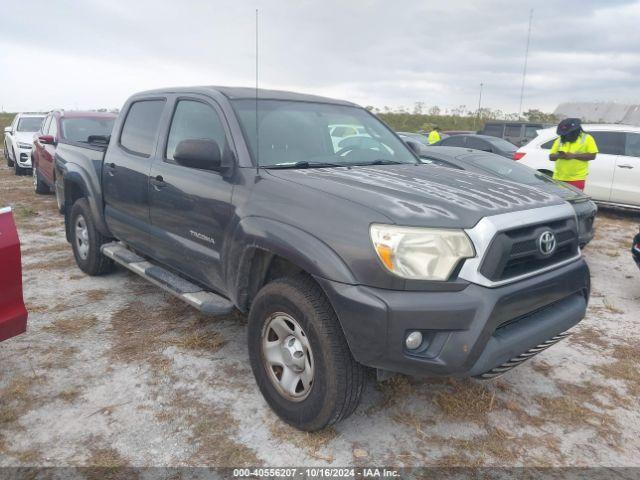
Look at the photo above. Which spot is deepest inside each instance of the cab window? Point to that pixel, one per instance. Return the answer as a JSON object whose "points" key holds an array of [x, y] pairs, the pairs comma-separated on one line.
{"points": [[193, 120]]}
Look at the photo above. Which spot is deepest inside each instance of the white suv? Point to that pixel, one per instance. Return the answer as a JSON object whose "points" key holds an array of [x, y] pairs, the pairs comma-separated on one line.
{"points": [[614, 176], [18, 140]]}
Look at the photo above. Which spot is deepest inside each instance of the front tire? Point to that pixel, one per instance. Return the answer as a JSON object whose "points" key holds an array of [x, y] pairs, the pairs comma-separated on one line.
{"points": [[18, 169], [5, 152], [38, 184], [300, 357], [86, 240]]}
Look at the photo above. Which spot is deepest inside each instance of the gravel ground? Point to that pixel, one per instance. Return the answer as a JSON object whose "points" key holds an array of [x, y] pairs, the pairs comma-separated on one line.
{"points": [[114, 372]]}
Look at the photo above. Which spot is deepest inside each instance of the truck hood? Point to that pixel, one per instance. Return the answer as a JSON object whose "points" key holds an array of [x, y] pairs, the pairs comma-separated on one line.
{"points": [[561, 189], [416, 196]]}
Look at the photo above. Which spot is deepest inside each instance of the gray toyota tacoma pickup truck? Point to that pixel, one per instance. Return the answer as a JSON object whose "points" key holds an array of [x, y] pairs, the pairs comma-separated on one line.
{"points": [[346, 252]]}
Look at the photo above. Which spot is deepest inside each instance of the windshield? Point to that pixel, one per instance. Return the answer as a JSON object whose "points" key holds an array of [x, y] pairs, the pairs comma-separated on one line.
{"points": [[79, 129], [29, 124], [506, 168], [293, 133]]}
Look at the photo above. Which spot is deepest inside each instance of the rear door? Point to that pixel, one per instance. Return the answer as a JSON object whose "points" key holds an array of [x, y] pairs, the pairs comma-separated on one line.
{"points": [[125, 173], [626, 176], [191, 207], [478, 144], [38, 147], [610, 146]]}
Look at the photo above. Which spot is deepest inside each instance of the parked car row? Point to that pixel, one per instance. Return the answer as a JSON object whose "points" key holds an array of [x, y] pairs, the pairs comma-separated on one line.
{"points": [[614, 177], [31, 140]]}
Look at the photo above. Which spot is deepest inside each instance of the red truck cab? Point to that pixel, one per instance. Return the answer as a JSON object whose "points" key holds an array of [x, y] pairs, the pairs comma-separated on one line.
{"points": [[61, 126], [13, 314]]}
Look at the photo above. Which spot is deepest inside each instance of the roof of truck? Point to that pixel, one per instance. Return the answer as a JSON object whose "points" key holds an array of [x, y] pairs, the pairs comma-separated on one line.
{"points": [[235, 93]]}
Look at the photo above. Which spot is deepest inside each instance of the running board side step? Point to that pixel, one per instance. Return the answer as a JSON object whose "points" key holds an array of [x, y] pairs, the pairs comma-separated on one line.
{"points": [[205, 301]]}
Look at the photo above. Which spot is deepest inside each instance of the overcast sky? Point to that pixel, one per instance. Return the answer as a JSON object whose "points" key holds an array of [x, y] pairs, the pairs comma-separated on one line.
{"points": [[95, 53]]}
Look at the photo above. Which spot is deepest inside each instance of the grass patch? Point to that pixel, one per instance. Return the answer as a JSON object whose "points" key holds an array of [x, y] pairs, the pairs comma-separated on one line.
{"points": [[466, 400], [625, 368], [610, 306], [141, 332], [314, 444], [72, 326]]}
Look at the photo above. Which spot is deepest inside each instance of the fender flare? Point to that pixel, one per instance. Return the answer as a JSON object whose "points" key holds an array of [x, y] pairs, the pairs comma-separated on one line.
{"points": [[73, 175], [287, 241]]}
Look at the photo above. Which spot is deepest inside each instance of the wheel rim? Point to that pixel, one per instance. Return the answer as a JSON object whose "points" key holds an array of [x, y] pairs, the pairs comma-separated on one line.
{"points": [[82, 237], [287, 357]]}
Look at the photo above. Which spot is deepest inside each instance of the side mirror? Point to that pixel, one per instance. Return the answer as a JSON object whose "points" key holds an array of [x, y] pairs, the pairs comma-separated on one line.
{"points": [[413, 146], [47, 139], [7, 129], [199, 153]]}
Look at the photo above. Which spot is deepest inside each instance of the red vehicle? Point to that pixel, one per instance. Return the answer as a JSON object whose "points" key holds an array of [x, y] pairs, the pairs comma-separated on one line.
{"points": [[13, 314], [73, 127]]}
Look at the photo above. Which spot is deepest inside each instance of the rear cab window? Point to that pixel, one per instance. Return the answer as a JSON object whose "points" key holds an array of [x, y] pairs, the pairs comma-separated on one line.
{"points": [[140, 127], [513, 130], [80, 129], [495, 130]]}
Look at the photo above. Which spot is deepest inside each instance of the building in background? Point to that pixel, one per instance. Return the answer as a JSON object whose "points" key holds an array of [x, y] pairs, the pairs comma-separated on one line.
{"points": [[600, 112]]}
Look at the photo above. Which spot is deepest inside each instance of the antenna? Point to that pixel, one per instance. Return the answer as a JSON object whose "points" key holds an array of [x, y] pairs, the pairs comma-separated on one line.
{"points": [[524, 70], [257, 123]]}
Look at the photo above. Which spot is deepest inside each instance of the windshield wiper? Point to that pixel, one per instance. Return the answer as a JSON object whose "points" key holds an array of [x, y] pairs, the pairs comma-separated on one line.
{"points": [[380, 162], [305, 164]]}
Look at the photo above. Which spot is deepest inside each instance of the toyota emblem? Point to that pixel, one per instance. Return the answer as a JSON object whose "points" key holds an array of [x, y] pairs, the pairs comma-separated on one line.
{"points": [[547, 243]]}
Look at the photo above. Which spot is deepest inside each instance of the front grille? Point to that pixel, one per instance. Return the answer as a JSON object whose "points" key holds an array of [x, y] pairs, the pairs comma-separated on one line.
{"points": [[515, 361], [515, 252]]}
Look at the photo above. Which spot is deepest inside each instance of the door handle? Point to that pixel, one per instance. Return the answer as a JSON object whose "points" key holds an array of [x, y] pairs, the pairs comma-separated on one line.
{"points": [[625, 165], [110, 165]]}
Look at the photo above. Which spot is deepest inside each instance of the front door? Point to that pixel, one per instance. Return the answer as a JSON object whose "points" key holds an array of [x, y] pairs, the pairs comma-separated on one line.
{"points": [[626, 178], [191, 207], [125, 173], [48, 152]]}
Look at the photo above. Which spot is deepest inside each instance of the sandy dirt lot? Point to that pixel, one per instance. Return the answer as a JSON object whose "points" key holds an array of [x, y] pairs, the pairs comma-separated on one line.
{"points": [[114, 372]]}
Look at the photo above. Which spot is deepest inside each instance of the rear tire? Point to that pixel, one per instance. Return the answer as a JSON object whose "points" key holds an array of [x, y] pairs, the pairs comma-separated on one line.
{"points": [[39, 186], [336, 379], [86, 240]]}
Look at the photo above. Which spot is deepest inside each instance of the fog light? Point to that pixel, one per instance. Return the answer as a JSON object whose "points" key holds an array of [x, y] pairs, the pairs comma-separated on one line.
{"points": [[413, 340]]}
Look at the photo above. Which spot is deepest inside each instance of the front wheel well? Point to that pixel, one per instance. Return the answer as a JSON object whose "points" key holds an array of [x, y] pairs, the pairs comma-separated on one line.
{"points": [[260, 268]]}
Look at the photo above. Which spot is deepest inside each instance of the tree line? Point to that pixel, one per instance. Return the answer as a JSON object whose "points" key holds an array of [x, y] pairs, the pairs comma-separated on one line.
{"points": [[421, 118]]}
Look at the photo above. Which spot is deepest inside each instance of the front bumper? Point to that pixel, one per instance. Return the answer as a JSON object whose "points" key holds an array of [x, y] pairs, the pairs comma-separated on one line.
{"points": [[586, 214], [467, 333], [24, 157]]}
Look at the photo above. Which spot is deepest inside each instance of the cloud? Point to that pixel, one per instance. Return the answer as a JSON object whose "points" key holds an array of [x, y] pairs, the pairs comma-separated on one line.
{"points": [[95, 53]]}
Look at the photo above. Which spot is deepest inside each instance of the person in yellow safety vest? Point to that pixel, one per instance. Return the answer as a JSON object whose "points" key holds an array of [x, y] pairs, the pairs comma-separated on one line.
{"points": [[434, 135], [572, 151]]}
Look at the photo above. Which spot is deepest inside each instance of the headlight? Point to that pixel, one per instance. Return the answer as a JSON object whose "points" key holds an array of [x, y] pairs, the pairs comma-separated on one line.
{"points": [[24, 145], [420, 253]]}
